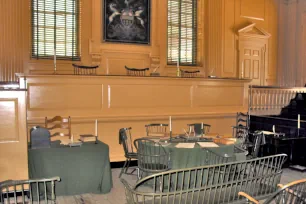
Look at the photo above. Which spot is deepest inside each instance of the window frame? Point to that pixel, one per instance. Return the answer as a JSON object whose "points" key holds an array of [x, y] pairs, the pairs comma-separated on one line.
{"points": [[194, 27], [76, 56]]}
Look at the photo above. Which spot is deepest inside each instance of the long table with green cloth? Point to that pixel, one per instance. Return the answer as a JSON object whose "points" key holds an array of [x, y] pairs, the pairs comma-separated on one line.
{"points": [[193, 157], [84, 169]]}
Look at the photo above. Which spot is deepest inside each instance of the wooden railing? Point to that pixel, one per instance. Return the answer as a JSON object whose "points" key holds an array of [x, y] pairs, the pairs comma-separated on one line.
{"points": [[269, 100]]}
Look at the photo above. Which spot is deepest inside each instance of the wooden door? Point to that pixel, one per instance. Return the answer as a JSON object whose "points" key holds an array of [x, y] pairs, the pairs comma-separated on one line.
{"points": [[251, 64], [13, 135]]}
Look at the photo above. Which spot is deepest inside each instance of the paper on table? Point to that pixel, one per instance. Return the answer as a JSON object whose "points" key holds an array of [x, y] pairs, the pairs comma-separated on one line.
{"points": [[208, 144], [268, 133], [185, 145]]}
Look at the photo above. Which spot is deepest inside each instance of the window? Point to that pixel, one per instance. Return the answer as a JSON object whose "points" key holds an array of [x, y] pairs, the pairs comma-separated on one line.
{"points": [[182, 32], [55, 26]]}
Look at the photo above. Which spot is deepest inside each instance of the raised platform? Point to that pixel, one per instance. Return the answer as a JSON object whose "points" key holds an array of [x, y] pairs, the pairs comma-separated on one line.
{"points": [[123, 101]]}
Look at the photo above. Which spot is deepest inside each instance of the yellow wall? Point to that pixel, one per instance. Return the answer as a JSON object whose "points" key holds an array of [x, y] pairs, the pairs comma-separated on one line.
{"points": [[218, 23]]}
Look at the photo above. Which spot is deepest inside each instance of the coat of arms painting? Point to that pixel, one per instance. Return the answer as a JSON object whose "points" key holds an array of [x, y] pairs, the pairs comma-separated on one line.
{"points": [[127, 21]]}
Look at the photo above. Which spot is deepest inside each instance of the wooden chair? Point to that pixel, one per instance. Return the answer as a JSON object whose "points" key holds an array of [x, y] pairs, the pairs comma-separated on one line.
{"points": [[292, 193], [125, 138], [28, 191], [196, 129], [190, 74], [156, 129], [136, 71], [85, 70], [59, 126], [152, 157]]}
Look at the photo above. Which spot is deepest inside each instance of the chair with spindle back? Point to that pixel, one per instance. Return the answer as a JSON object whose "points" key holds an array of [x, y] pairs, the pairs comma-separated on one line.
{"points": [[28, 191], [196, 129], [185, 73], [292, 193], [59, 126], [85, 70], [152, 157], [136, 71], [125, 138], [156, 129]]}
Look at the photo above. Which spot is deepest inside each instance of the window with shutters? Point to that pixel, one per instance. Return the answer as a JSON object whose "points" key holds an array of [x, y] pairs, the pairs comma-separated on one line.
{"points": [[55, 28], [182, 32]]}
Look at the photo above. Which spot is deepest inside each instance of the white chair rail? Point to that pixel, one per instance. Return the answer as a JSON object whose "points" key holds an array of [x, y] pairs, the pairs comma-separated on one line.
{"points": [[269, 100]]}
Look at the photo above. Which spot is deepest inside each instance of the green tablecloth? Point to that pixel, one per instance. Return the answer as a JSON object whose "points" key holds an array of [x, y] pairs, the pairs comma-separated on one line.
{"points": [[193, 157], [84, 169]]}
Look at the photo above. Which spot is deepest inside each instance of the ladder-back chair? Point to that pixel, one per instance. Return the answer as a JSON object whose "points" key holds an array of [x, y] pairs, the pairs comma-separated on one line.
{"points": [[85, 70], [156, 129], [59, 126], [28, 191], [125, 138], [136, 71]]}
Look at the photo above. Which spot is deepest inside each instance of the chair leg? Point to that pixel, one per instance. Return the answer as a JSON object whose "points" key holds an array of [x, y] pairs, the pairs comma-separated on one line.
{"points": [[123, 168], [128, 165]]}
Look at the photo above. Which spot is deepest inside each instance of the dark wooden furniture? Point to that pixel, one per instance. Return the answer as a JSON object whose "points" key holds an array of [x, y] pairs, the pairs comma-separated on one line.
{"points": [[59, 126], [293, 139], [125, 138], [85, 69], [156, 129], [196, 129], [136, 71], [185, 73]]}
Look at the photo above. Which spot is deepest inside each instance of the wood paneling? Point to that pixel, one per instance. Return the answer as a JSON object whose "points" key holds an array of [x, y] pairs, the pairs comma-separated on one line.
{"points": [[13, 135], [12, 50], [253, 9], [218, 22], [134, 102], [9, 120], [148, 96], [64, 96]]}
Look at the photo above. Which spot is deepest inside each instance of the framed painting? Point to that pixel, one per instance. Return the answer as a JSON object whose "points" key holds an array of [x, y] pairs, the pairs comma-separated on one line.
{"points": [[127, 21]]}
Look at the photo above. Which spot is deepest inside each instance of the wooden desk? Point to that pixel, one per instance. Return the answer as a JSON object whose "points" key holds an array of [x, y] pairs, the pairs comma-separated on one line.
{"points": [[125, 101]]}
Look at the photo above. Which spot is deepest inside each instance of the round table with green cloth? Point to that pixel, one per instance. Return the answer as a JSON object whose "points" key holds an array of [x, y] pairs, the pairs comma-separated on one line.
{"points": [[192, 157]]}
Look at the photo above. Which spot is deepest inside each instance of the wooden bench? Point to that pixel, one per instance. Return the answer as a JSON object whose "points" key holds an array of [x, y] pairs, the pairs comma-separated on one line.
{"points": [[210, 184]]}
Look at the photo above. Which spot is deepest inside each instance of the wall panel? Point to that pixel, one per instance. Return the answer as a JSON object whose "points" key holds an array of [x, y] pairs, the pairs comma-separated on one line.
{"points": [[12, 51]]}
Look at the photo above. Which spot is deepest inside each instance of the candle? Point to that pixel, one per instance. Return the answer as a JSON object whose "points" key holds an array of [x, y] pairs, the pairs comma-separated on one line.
{"points": [[170, 122], [299, 121], [273, 128], [54, 52], [96, 128], [202, 128], [72, 138]]}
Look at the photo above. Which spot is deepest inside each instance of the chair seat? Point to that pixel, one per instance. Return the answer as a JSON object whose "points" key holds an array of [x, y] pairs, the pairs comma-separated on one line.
{"points": [[149, 167], [131, 155]]}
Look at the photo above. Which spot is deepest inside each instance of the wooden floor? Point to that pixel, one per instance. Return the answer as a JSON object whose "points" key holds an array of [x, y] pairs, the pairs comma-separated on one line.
{"points": [[117, 194]]}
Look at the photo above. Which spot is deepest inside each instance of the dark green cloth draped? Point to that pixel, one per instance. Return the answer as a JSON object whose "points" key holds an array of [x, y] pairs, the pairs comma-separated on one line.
{"points": [[84, 169]]}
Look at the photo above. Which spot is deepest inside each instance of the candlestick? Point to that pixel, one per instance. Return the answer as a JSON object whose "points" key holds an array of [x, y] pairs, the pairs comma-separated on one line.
{"points": [[96, 128], [299, 121], [54, 52]]}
